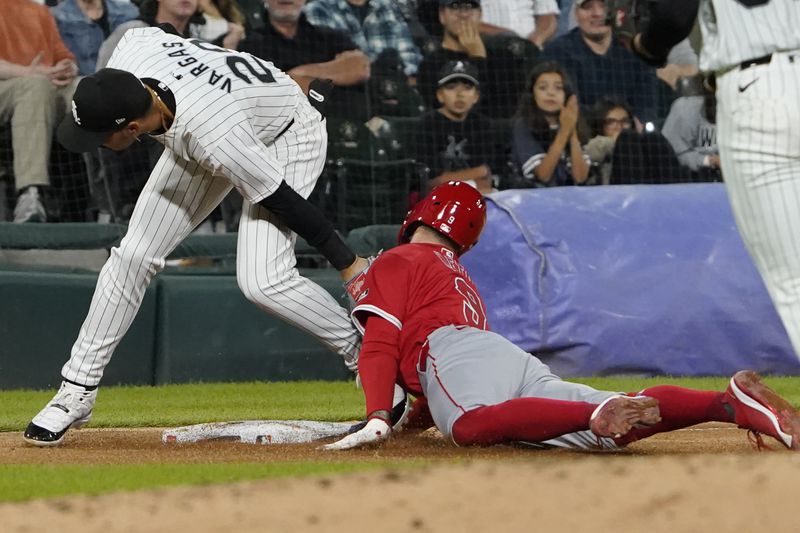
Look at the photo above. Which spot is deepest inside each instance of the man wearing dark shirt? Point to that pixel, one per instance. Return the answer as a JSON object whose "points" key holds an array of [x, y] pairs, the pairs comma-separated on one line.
{"points": [[461, 21], [601, 66], [455, 142], [306, 52]]}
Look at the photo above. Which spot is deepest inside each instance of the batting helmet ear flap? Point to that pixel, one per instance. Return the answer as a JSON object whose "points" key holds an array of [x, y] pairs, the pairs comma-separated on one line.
{"points": [[454, 209]]}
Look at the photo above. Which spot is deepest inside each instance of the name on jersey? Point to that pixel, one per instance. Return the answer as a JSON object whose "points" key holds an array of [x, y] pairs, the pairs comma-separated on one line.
{"points": [[242, 66]]}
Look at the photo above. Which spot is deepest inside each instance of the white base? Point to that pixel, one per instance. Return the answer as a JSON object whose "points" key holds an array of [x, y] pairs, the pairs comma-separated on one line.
{"points": [[257, 431]]}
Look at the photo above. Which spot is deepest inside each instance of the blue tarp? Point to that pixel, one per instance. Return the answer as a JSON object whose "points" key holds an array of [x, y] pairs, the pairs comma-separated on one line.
{"points": [[646, 280]]}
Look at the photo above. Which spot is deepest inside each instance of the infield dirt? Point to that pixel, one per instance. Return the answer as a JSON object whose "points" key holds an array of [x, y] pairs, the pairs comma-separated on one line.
{"points": [[703, 479]]}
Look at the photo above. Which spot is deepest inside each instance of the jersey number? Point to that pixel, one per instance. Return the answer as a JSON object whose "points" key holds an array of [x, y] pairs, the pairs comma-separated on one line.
{"points": [[473, 307], [238, 63]]}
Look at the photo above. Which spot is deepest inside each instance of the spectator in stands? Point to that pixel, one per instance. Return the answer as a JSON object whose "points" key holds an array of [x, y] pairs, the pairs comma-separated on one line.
{"points": [[454, 142], [183, 15], [306, 51], [691, 129], [376, 26], [535, 20], [461, 40], [548, 131], [609, 117], [38, 75], [117, 182], [224, 23], [601, 65], [85, 24]]}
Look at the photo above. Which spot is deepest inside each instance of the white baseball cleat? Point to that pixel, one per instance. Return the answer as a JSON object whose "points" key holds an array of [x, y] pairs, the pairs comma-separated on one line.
{"points": [[71, 407]]}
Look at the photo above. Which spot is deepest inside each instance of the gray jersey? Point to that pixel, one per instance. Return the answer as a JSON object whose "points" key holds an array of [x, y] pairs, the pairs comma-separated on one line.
{"points": [[738, 30]]}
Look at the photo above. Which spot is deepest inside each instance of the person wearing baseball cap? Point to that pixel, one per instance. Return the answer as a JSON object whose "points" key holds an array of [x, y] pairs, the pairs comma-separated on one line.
{"points": [[592, 48], [458, 70], [112, 108], [454, 141]]}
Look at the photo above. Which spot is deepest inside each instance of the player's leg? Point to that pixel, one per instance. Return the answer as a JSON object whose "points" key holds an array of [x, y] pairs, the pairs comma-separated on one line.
{"points": [[266, 264], [759, 144], [177, 197], [30, 105], [747, 402], [473, 382]]}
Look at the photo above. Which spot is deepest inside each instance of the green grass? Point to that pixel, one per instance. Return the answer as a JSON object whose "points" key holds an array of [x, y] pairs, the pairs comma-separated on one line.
{"points": [[26, 482], [175, 405]]}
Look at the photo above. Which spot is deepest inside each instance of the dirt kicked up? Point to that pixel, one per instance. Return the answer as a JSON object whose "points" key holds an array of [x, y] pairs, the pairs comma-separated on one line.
{"points": [[702, 479]]}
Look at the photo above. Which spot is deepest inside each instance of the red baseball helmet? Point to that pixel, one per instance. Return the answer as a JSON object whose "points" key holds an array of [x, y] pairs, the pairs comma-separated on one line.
{"points": [[455, 209]]}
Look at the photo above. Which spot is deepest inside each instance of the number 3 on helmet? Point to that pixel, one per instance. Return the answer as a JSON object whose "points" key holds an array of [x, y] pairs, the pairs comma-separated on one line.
{"points": [[455, 209]]}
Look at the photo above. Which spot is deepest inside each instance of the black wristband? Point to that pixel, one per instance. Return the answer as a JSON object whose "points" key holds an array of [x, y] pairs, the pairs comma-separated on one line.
{"points": [[306, 220]]}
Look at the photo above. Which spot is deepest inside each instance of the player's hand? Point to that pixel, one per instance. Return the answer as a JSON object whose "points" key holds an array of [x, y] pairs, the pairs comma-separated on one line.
{"points": [[470, 39], [375, 431], [568, 117]]}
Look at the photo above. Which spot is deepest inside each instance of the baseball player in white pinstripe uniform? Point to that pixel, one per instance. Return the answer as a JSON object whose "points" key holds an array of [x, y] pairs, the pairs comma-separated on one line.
{"points": [[227, 119], [753, 48]]}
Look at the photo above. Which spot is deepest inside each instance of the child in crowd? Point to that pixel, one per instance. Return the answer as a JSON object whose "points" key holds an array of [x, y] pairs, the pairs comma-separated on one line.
{"points": [[609, 117], [453, 142], [547, 131]]}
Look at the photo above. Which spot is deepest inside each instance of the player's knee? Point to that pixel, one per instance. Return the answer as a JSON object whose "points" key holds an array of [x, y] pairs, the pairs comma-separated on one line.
{"points": [[473, 428], [135, 260], [260, 291]]}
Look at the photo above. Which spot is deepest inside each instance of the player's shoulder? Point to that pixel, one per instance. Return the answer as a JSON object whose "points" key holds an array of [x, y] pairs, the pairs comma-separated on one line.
{"points": [[416, 254]]}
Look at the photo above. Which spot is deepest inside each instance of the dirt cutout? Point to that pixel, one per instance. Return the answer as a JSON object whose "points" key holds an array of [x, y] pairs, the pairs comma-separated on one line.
{"points": [[703, 479]]}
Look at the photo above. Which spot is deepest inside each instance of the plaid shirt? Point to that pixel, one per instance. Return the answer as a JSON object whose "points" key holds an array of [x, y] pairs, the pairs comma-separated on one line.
{"points": [[383, 28]]}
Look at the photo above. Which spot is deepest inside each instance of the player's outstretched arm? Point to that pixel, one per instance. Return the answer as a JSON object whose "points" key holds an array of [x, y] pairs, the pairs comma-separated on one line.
{"points": [[378, 366]]}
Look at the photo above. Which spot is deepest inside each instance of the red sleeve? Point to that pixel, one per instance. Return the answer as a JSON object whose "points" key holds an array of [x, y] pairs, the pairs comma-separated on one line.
{"points": [[378, 363], [385, 291]]}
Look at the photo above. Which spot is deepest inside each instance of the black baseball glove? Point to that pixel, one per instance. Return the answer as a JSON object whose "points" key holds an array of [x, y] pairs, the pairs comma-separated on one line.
{"points": [[628, 17]]}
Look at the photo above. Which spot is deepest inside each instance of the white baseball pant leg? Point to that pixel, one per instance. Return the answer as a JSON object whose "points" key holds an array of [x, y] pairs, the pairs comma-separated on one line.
{"points": [[177, 197], [759, 144], [266, 264]]}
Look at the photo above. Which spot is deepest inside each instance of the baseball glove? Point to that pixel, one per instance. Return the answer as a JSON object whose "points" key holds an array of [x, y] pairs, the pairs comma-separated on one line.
{"points": [[628, 17]]}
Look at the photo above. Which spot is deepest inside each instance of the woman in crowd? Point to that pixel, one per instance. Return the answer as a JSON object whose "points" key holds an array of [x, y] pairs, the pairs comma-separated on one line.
{"points": [[224, 23], [547, 131]]}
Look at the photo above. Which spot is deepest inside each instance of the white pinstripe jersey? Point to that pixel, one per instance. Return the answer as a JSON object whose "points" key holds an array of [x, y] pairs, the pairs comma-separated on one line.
{"points": [[737, 30], [228, 104]]}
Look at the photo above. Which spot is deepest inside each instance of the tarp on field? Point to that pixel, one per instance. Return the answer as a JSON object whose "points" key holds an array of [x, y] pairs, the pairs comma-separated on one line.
{"points": [[645, 280]]}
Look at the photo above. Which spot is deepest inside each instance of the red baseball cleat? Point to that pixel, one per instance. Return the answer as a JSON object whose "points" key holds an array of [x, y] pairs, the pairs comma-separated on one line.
{"points": [[617, 415], [761, 410]]}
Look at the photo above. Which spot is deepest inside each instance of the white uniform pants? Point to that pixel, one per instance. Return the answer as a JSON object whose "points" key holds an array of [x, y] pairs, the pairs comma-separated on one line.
{"points": [[758, 115], [178, 196]]}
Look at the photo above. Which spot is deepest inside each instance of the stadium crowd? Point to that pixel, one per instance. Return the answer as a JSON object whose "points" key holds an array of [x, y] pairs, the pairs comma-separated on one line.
{"points": [[499, 93]]}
